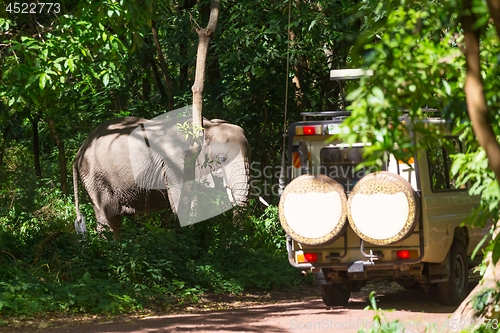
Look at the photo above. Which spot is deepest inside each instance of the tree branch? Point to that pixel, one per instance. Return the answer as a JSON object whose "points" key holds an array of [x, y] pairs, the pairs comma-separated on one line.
{"points": [[494, 7], [158, 80], [163, 67], [44, 242], [214, 16], [4, 142], [10, 254], [476, 103], [201, 59], [62, 157]]}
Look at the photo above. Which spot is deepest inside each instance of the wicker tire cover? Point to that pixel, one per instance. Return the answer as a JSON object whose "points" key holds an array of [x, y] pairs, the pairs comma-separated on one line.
{"points": [[313, 209], [382, 208]]}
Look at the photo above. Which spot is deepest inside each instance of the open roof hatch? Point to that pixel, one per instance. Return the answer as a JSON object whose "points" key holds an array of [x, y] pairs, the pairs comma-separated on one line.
{"points": [[340, 75]]}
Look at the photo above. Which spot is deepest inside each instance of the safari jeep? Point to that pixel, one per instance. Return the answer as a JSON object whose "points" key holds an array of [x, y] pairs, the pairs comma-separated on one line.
{"points": [[348, 226]]}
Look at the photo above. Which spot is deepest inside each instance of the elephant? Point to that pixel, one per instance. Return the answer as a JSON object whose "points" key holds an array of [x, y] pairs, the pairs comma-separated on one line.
{"points": [[134, 166]]}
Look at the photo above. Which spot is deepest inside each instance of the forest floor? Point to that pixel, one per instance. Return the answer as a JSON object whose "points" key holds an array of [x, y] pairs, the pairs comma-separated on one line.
{"points": [[298, 310]]}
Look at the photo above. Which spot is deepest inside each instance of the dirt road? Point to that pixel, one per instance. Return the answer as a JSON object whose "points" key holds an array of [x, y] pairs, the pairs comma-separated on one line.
{"points": [[416, 309]]}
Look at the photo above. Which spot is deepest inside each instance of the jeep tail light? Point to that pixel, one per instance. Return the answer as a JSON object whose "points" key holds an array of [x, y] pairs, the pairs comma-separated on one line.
{"points": [[309, 130], [406, 254], [403, 254], [311, 257]]}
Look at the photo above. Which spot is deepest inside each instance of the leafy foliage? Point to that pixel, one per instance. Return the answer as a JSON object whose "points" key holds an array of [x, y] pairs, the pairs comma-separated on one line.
{"points": [[148, 266], [97, 61], [414, 51]]}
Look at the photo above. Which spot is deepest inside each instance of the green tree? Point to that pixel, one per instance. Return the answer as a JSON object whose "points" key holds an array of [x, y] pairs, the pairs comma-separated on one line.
{"points": [[440, 55], [47, 59], [62, 75]]}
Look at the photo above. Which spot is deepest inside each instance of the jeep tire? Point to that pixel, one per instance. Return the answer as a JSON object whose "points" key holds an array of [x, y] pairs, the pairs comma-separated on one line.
{"points": [[456, 289], [335, 294]]}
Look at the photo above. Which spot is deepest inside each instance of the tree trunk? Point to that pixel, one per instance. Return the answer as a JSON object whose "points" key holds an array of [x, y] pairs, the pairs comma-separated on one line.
{"points": [[4, 142], [478, 113], [146, 84], [476, 103], [204, 36], [183, 71], [163, 67], [163, 94], [214, 74], [36, 146], [184, 67], [190, 158], [62, 157], [465, 312], [298, 70]]}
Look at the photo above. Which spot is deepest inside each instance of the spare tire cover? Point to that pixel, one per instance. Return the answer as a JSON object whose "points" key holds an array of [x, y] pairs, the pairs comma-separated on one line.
{"points": [[313, 209], [382, 208]]}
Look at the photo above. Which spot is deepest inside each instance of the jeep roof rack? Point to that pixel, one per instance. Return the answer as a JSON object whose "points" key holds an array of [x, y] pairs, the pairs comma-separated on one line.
{"points": [[349, 74], [341, 113], [327, 114]]}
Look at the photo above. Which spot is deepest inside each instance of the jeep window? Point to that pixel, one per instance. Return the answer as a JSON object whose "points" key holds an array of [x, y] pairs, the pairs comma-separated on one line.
{"points": [[340, 164], [440, 161]]}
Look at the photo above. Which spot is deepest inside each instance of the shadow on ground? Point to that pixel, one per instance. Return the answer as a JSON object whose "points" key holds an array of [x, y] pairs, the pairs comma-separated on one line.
{"points": [[285, 316]]}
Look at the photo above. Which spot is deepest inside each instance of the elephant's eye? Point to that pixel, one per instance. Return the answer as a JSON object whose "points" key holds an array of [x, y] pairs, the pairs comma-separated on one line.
{"points": [[222, 159]]}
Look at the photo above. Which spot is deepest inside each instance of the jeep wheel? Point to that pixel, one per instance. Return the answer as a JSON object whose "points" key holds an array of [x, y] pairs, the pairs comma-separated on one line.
{"points": [[335, 294], [312, 210], [383, 208], [455, 290]]}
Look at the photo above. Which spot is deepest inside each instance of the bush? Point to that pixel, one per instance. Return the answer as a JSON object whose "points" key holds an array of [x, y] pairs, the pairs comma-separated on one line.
{"points": [[148, 266]]}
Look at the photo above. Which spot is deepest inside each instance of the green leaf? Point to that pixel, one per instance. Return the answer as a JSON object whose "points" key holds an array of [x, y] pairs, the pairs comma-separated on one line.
{"points": [[42, 81], [373, 301], [447, 87], [478, 246], [32, 79], [105, 79], [313, 23], [378, 94], [71, 65], [496, 252]]}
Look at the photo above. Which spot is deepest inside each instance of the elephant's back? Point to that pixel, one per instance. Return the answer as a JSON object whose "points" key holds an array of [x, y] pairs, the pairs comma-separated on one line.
{"points": [[105, 152], [117, 126], [111, 133]]}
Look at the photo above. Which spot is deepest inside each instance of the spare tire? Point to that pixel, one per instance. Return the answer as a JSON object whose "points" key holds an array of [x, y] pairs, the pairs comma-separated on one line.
{"points": [[313, 209], [382, 208]]}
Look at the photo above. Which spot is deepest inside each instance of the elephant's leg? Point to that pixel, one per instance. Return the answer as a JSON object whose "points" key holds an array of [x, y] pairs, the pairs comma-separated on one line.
{"points": [[113, 215], [239, 216], [115, 223], [102, 222], [107, 218]]}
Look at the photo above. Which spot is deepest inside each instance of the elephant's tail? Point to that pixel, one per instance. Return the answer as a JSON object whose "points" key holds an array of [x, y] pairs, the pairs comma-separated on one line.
{"points": [[80, 226]]}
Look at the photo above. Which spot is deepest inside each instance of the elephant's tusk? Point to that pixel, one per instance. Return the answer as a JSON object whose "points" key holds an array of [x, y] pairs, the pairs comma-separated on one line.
{"points": [[228, 189], [261, 199]]}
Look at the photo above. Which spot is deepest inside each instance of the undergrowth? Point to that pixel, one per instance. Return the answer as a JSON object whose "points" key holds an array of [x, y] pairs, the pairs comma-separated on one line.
{"points": [[152, 264]]}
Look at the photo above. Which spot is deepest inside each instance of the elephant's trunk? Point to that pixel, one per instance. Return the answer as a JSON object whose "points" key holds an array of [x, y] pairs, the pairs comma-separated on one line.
{"points": [[239, 183]]}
